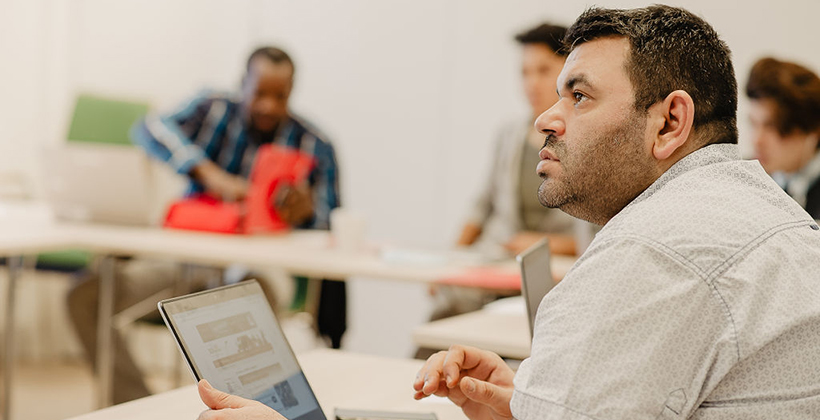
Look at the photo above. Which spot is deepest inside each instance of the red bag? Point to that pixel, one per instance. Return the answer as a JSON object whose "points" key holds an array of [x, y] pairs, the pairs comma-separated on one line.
{"points": [[273, 168], [206, 213]]}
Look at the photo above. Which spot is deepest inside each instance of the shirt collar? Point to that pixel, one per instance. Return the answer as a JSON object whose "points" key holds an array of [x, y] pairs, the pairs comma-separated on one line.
{"points": [[707, 155]]}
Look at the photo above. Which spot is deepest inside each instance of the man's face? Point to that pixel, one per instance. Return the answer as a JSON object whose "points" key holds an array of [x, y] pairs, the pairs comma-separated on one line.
{"points": [[598, 155], [776, 152], [265, 92], [540, 67]]}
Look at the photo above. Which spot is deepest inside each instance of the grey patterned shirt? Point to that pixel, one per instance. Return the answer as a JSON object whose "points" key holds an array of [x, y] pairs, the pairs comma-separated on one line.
{"points": [[700, 299]]}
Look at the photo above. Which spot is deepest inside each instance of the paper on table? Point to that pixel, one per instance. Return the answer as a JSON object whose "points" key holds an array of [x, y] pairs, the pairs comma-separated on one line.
{"points": [[512, 305], [398, 255]]}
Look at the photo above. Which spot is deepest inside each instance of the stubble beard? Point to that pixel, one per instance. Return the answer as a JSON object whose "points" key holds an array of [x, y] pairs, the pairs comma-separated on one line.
{"points": [[600, 179]]}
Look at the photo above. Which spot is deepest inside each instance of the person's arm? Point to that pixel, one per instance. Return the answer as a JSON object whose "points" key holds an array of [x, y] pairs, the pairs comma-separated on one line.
{"points": [[483, 204], [169, 138], [324, 187], [476, 380], [224, 406], [469, 234], [217, 181]]}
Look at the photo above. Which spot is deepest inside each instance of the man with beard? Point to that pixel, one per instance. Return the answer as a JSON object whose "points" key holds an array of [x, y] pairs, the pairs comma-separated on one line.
{"points": [[699, 296], [213, 140]]}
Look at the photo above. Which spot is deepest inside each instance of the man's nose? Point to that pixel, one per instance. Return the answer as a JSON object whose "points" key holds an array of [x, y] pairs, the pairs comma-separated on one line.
{"points": [[551, 121], [266, 105]]}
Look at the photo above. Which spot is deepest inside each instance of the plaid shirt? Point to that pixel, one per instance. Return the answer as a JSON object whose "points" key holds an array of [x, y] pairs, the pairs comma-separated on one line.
{"points": [[212, 126]]}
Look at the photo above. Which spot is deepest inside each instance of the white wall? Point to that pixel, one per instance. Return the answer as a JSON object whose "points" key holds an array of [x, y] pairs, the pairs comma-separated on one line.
{"points": [[410, 91]]}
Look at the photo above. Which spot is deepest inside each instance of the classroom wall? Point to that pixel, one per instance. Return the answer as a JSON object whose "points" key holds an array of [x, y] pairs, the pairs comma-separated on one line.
{"points": [[410, 91]]}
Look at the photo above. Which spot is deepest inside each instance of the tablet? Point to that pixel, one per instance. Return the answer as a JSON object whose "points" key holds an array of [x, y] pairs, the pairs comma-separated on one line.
{"points": [[230, 336]]}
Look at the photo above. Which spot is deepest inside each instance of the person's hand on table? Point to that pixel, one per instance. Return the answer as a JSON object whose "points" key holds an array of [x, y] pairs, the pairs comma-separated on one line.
{"points": [[469, 234], [216, 181], [224, 406], [294, 204], [476, 380]]}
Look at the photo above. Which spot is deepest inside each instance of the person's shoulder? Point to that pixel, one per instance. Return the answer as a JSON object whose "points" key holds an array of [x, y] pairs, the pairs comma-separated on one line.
{"points": [[206, 98], [708, 213], [229, 98], [309, 128]]}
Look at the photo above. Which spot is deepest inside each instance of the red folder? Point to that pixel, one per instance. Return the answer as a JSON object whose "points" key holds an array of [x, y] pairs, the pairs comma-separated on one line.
{"points": [[485, 278], [275, 167]]}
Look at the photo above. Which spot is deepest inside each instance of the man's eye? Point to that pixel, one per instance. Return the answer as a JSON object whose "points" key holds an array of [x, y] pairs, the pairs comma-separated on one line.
{"points": [[579, 97]]}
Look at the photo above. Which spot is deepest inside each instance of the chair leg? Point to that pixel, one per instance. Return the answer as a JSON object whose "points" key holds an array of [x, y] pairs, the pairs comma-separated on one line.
{"points": [[13, 264]]}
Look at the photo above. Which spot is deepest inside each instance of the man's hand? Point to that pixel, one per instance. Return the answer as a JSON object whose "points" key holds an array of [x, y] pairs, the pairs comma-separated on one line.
{"points": [[220, 183], [469, 234], [224, 406], [476, 380], [294, 204]]}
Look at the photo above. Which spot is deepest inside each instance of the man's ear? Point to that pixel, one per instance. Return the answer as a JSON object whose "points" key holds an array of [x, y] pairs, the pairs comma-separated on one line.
{"points": [[676, 115]]}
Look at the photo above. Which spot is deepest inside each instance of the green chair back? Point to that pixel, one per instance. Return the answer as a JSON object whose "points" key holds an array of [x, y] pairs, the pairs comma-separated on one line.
{"points": [[68, 261], [95, 120], [104, 120]]}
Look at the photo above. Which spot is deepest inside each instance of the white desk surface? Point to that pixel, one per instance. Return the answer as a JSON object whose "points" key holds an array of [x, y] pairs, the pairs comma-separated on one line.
{"points": [[308, 253], [24, 230], [339, 379], [506, 334]]}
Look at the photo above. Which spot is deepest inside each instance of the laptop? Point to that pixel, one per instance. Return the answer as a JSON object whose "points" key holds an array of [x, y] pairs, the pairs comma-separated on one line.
{"points": [[536, 277], [230, 336], [104, 183]]}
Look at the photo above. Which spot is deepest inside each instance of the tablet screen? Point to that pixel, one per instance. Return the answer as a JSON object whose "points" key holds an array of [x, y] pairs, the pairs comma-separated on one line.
{"points": [[231, 338]]}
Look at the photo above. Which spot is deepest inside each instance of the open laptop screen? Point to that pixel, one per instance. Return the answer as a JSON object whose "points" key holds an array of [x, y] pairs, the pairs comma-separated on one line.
{"points": [[103, 183], [230, 337], [536, 277]]}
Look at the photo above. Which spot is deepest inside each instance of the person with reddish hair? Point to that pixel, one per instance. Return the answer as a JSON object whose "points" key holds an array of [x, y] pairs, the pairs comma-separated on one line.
{"points": [[785, 118]]}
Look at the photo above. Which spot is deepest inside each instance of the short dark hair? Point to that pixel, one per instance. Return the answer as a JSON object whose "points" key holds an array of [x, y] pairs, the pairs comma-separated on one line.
{"points": [[547, 34], [273, 54], [671, 49], [795, 91]]}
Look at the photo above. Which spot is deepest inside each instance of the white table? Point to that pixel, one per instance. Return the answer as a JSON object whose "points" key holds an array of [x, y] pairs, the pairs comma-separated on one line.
{"points": [[339, 379], [307, 253], [506, 334]]}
